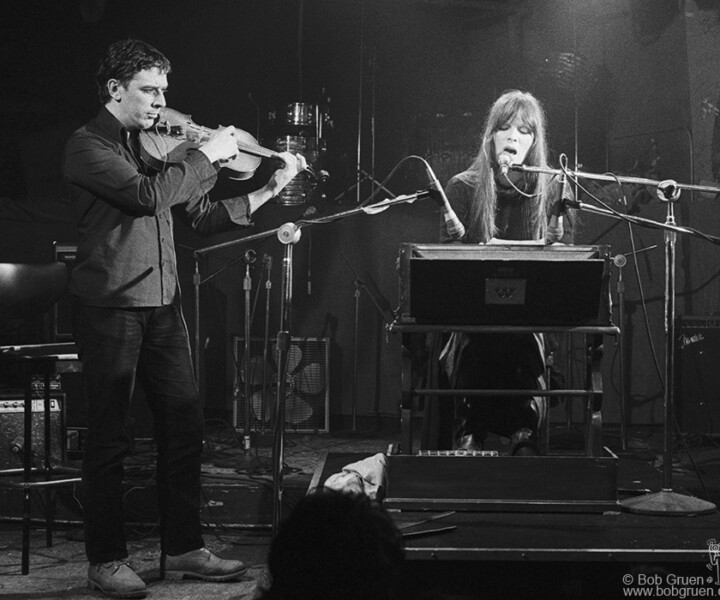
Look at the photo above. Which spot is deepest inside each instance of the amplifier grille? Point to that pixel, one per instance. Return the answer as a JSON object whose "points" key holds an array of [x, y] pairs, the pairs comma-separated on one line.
{"points": [[697, 378], [12, 430]]}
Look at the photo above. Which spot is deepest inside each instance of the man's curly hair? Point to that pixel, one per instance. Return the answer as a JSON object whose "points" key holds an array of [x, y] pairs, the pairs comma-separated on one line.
{"points": [[123, 60]]}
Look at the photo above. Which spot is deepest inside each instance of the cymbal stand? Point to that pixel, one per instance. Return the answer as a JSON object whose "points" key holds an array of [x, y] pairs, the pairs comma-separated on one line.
{"points": [[666, 501], [361, 177], [360, 174], [360, 104]]}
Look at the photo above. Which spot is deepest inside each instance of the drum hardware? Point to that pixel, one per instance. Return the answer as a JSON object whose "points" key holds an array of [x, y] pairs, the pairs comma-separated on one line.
{"points": [[300, 114], [297, 191], [298, 128]]}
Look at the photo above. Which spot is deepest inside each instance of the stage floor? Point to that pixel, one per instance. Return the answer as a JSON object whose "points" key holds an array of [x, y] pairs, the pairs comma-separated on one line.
{"points": [[472, 555], [550, 531]]}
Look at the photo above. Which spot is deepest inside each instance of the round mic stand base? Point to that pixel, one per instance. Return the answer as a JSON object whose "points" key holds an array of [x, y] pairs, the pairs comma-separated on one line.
{"points": [[667, 502]]}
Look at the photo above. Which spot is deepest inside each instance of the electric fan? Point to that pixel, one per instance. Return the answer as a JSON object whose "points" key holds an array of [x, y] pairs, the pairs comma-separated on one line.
{"points": [[306, 390]]}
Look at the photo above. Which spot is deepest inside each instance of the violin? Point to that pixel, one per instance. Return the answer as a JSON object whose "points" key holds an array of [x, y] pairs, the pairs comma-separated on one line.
{"points": [[175, 133]]}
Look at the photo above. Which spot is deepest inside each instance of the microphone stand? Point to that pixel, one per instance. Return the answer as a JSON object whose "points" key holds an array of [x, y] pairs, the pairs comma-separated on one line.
{"points": [[267, 261], [247, 286], [196, 285], [666, 501], [359, 285], [620, 261], [289, 234]]}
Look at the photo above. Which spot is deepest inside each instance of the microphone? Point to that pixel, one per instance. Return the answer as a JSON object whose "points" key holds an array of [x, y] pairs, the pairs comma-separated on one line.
{"points": [[555, 229], [455, 228], [267, 264], [504, 160]]}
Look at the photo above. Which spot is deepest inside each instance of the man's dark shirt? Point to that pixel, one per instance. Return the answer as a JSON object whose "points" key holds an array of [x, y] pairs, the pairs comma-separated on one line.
{"points": [[126, 254]]}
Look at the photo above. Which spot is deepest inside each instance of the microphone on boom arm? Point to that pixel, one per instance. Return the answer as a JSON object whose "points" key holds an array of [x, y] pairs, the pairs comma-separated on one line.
{"points": [[504, 161], [455, 228]]}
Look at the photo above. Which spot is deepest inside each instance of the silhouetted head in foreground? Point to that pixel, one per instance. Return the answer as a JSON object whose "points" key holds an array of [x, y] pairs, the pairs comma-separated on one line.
{"points": [[336, 545]]}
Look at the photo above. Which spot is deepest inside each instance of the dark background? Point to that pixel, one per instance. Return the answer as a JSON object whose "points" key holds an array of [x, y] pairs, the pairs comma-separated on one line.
{"points": [[629, 86]]}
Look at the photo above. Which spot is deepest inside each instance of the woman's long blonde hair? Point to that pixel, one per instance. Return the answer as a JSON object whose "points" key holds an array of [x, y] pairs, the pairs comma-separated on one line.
{"points": [[481, 226]]}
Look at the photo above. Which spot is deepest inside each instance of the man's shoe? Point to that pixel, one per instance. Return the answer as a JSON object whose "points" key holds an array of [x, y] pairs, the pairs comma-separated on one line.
{"points": [[200, 564], [116, 579]]}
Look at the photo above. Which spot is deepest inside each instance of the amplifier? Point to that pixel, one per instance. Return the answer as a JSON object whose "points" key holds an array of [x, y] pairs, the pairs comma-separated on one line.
{"points": [[12, 440], [697, 377]]}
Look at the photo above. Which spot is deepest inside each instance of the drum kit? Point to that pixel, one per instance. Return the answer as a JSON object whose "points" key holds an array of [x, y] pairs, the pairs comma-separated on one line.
{"points": [[299, 128]]}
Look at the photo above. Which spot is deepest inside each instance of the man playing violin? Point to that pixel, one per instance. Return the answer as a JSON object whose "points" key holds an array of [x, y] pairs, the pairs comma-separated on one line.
{"points": [[127, 319]]}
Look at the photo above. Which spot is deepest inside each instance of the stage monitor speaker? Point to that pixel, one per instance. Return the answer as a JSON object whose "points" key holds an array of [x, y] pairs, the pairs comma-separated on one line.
{"points": [[307, 395], [697, 376], [60, 318], [12, 430]]}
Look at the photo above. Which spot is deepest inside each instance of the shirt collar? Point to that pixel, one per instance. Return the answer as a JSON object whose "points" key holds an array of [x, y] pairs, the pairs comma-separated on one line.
{"points": [[110, 126]]}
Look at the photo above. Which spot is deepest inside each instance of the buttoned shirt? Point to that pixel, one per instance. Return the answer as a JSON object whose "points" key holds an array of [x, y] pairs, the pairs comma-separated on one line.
{"points": [[126, 252]]}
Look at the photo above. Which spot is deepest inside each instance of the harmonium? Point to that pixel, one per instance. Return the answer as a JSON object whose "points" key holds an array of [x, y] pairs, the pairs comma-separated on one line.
{"points": [[511, 285]]}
